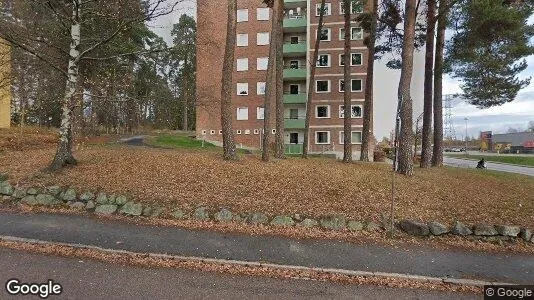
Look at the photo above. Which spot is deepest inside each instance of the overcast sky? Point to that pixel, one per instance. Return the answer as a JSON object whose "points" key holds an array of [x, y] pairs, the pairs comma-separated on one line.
{"points": [[515, 114]]}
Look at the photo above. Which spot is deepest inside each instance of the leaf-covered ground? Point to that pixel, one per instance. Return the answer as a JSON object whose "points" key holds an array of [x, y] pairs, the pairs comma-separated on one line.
{"points": [[314, 187]]}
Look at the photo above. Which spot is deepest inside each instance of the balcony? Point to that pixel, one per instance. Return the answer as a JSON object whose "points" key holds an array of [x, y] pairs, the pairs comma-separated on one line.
{"points": [[295, 98], [293, 148], [295, 72], [293, 50], [295, 24], [294, 123]]}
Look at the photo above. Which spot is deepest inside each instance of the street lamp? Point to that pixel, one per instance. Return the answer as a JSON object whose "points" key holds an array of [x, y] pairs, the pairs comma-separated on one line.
{"points": [[466, 119]]}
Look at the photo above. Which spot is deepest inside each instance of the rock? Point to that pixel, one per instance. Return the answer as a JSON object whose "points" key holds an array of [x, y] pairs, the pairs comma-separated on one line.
{"points": [[131, 209], [106, 209], [112, 199], [19, 193], [224, 215], [372, 226], [6, 188], [308, 223], [77, 205], [90, 204], [30, 200], [101, 198], [121, 200], [85, 197], [282, 221], [414, 228], [68, 195], [6, 198], [48, 200], [355, 225], [460, 229], [525, 234], [54, 190], [239, 217], [485, 230], [152, 212], [201, 213], [297, 217], [258, 218], [179, 214], [437, 228], [333, 222], [32, 191], [506, 230]]}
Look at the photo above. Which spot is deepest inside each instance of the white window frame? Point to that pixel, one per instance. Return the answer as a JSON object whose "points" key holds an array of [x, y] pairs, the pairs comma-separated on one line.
{"points": [[352, 12], [342, 35], [323, 92], [341, 134], [328, 7], [238, 131], [242, 15], [329, 61], [242, 86], [328, 111], [260, 111], [260, 14], [260, 60], [262, 38], [256, 131], [242, 117], [351, 64], [329, 30], [247, 131], [204, 132], [341, 111], [212, 132], [242, 40], [351, 90], [327, 135], [261, 88], [220, 131], [242, 64], [273, 131]]}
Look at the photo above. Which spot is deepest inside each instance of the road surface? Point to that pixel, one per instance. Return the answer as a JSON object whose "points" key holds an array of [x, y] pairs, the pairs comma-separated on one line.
{"points": [[465, 163], [88, 279]]}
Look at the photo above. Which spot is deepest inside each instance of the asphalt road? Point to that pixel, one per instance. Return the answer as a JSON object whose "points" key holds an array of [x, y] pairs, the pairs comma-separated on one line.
{"points": [[471, 164], [88, 279], [309, 253]]}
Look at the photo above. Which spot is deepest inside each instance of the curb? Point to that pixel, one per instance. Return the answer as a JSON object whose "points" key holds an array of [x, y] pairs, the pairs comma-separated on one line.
{"points": [[333, 271]]}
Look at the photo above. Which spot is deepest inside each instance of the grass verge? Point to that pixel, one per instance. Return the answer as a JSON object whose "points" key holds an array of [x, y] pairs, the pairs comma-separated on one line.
{"points": [[506, 159]]}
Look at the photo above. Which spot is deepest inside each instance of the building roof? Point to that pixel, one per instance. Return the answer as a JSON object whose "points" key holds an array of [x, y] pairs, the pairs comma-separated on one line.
{"points": [[516, 139]]}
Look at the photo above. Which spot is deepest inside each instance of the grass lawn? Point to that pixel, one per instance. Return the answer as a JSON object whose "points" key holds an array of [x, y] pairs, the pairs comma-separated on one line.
{"points": [[315, 187], [507, 159]]}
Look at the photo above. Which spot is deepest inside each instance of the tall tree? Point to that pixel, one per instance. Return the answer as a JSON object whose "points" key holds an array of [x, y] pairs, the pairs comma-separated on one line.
{"points": [[426, 151], [404, 132], [313, 67], [229, 151], [270, 88], [278, 16], [347, 121]]}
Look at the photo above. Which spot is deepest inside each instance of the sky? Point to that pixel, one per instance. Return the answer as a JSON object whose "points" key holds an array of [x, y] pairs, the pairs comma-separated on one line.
{"points": [[515, 114]]}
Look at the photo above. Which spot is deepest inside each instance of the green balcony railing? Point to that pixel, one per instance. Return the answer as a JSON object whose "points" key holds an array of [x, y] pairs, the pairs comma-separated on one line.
{"points": [[293, 148], [295, 49], [295, 98], [294, 123], [294, 1], [295, 74], [295, 23]]}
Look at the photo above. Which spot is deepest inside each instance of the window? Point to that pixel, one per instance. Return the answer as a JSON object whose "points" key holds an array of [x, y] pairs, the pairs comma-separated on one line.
{"points": [[325, 34], [256, 131], [238, 131], [322, 86], [356, 33], [242, 39], [242, 113], [242, 15], [327, 8], [247, 131], [260, 113], [294, 64], [293, 138], [242, 89], [356, 137], [262, 38], [204, 132], [294, 40], [323, 60], [242, 64], [294, 89], [262, 63], [356, 111], [356, 7], [273, 131], [220, 131], [260, 88], [322, 137], [212, 132], [322, 111], [356, 85], [262, 14], [356, 59], [293, 113]]}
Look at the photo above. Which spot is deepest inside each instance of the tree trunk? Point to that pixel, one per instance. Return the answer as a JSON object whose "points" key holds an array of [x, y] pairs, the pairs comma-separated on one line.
{"points": [[278, 14], [347, 121], [405, 139], [311, 83], [426, 151], [64, 155], [437, 157], [270, 87], [368, 104], [229, 151]]}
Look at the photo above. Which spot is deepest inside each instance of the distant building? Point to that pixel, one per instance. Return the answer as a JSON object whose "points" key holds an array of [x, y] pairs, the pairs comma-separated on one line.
{"points": [[5, 86], [522, 142]]}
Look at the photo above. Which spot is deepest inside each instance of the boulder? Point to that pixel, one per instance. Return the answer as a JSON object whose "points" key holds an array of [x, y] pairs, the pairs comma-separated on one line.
{"points": [[460, 229], [48, 200], [68, 195], [297, 217], [90, 204], [121, 200], [308, 223], [239, 217], [506, 230], [414, 228], [112, 199], [282, 221], [6, 188], [525, 234], [201, 213], [333, 222], [19, 193], [179, 214], [30, 200], [258, 218], [54, 190], [77, 205], [131, 209], [101, 198], [32, 191], [106, 209], [224, 215], [152, 212], [372, 226], [437, 228], [85, 197], [485, 230], [355, 225]]}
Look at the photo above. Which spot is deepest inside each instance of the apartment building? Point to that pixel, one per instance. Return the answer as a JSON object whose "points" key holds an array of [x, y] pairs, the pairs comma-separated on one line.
{"points": [[250, 71]]}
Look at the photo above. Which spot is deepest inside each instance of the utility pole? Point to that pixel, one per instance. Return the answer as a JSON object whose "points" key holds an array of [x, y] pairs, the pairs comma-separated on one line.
{"points": [[466, 119]]}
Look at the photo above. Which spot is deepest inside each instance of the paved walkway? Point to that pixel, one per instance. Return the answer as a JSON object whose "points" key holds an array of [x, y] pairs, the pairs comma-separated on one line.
{"points": [[277, 250], [471, 164]]}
